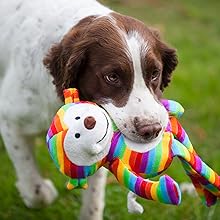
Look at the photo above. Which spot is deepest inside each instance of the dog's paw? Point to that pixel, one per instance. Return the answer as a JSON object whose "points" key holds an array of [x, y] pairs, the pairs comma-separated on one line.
{"points": [[38, 194], [132, 205], [188, 188]]}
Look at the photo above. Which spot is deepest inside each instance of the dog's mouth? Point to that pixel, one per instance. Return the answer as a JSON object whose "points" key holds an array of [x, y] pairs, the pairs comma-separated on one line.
{"points": [[134, 136], [139, 126], [140, 144], [143, 133]]}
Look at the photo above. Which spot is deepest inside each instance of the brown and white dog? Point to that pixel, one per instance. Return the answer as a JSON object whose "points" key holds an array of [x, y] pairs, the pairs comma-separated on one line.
{"points": [[114, 60]]}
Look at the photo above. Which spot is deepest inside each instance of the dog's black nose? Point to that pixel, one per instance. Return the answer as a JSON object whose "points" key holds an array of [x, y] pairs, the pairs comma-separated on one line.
{"points": [[146, 130]]}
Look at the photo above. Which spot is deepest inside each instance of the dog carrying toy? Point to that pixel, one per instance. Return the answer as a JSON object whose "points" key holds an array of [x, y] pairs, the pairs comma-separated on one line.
{"points": [[82, 138]]}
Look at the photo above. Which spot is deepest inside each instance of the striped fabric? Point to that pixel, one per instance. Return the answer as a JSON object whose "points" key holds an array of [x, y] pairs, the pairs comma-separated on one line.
{"points": [[205, 180], [71, 95], [173, 107], [133, 168]]}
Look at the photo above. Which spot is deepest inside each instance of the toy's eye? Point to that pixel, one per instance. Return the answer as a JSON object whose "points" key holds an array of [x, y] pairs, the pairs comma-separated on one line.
{"points": [[77, 135], [77, 118]]}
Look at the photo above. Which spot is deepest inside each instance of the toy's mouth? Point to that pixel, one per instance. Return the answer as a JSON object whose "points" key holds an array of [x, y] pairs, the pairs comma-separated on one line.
{"points": [[106, 131]]}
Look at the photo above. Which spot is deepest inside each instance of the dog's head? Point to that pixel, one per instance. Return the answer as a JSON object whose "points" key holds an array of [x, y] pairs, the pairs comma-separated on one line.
{"points": [[122, 65]]}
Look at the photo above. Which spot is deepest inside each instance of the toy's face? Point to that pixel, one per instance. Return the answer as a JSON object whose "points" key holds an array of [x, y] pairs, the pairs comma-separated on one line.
{"points": [[89, 134]]}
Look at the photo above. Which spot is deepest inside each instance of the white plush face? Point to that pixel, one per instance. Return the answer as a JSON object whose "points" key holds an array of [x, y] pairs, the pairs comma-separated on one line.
{"points": [[85, 146]]}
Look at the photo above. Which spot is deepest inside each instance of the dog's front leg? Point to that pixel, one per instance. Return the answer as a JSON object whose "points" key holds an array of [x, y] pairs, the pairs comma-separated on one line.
{"points": [[93, 201], [34, 190]]}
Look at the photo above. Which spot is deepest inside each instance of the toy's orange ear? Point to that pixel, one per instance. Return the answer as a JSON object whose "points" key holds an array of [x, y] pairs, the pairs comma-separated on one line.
{"points": [[71, 95]]}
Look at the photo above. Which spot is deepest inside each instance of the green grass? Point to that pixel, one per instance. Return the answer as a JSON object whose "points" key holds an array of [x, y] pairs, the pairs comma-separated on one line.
{"points": [[193, 27]]}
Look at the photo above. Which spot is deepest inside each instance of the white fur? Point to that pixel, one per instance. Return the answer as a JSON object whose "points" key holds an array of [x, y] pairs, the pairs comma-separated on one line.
{"points": [[132, 205], [96, 142], [27, 97], [141, 102]]}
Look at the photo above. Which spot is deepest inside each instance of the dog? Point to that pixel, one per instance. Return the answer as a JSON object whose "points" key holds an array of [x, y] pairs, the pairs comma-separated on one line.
{"points": [[114, 60]]}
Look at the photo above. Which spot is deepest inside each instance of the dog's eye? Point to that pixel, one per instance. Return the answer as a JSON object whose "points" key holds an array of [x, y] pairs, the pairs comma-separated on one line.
{"points": [[112, 78], [155, 75]]}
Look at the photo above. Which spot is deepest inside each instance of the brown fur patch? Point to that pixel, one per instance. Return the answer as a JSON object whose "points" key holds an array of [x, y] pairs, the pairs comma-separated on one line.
{"points": [[95, 48]]}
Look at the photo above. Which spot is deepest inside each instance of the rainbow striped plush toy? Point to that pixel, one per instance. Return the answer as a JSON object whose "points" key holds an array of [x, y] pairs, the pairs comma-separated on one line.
{"points": [[82, 138]]}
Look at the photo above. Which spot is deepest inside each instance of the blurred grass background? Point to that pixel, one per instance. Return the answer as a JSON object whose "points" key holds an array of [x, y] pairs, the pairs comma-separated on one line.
{"points": [[193, 27]]}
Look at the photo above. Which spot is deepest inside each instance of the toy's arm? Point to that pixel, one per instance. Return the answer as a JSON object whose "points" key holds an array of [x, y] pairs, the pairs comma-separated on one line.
{"points": [[173, 108], [166, 190], [176, 110], [179, 133]]}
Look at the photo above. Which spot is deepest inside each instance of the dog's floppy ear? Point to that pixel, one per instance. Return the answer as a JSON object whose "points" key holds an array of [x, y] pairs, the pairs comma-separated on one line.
{"points": [[64, 60], [168, 57], [54, 62], [170, 61]]}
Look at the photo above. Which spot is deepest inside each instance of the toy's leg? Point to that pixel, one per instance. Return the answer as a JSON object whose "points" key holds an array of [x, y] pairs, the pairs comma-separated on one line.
{"points": [[206, 196], [205, 180], [166, 190], [202, 186], [93, 201], [34, 190], [196, 165]]}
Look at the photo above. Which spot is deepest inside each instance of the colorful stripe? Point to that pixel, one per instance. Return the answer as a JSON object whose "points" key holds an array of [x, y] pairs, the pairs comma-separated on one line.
{"points": [[130, 167], [153, 190], [71, 95], [173, 107]]}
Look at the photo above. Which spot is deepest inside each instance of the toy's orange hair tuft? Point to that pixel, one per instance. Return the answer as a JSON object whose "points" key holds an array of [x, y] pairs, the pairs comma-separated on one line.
{"points": [[71, 95]]}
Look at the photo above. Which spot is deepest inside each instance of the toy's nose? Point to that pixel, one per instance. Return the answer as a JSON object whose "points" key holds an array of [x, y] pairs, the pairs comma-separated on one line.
{"points": [[89, 122]]}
